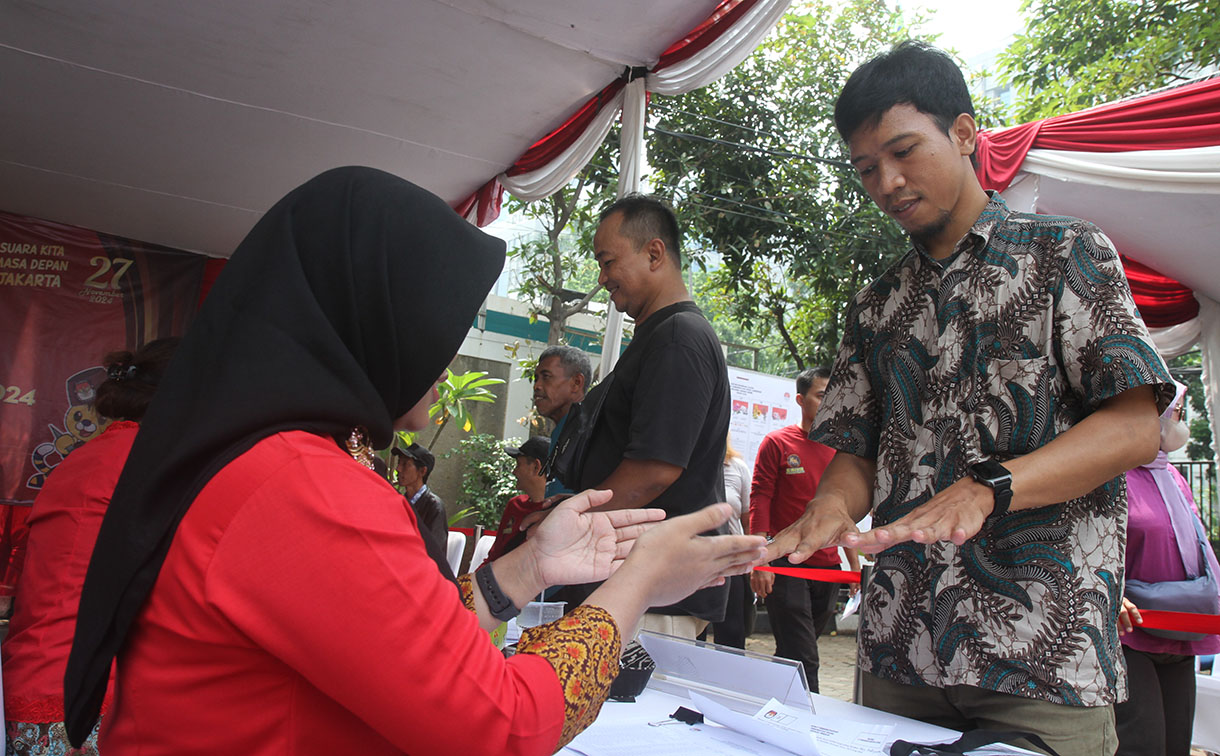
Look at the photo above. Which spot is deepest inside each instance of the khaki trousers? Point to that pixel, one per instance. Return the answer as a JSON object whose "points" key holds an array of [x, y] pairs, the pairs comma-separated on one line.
{"points": [[1070, 730]]}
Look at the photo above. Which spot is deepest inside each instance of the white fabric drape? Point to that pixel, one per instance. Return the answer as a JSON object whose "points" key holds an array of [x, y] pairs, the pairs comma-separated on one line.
{"points": [[1180, 171], [729, 49], [720, 56], [551, 177], [1178, 339]]}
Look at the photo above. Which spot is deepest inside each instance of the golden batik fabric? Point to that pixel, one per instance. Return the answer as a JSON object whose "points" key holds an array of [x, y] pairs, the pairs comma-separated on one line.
{"points": [[583, 647], [466, 588]]}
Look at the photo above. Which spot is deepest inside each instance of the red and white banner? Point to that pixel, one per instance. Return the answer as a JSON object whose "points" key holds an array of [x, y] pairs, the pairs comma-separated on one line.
{"points": [[67, 297]]}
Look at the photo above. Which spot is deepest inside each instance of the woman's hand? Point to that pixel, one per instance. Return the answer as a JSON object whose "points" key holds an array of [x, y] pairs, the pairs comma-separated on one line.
{"points": [[1128, 617], [540, 514], [672, 560], [574, 545]]}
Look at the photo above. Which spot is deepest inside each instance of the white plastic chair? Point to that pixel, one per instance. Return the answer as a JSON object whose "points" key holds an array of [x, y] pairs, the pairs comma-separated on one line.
{"points": [[454, 548], [481, 550]]}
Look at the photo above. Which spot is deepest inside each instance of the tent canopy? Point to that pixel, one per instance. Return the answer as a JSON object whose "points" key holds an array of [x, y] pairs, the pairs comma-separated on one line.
{"points": [[181, 126], [1146, 170]]}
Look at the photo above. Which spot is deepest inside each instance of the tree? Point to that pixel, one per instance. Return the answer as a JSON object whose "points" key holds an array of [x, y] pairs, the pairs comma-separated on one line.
{"points": [[1078, 53], [761, 181], [557, 274]]}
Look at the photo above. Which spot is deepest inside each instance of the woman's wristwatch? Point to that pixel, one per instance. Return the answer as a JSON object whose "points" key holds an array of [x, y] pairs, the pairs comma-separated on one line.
{"points": [[501, 606]]}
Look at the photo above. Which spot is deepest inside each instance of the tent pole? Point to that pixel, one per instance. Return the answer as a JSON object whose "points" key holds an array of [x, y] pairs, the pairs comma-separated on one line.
{"points": [[631, 159]]}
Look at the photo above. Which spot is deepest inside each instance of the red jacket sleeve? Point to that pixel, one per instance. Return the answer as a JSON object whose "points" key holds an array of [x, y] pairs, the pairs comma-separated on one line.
{"points": [[762, 488]]}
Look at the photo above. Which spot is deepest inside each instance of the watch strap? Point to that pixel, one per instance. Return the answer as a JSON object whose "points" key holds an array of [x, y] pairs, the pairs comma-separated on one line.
{"points": [[1003, 499], [502, 608]]}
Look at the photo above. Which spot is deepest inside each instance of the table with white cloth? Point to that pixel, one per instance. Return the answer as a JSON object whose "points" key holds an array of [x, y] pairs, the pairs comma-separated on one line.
{"points": [[644, 727]]}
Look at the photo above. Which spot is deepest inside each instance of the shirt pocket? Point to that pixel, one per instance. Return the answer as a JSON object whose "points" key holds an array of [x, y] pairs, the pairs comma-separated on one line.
{"points": [[1016, 413]]}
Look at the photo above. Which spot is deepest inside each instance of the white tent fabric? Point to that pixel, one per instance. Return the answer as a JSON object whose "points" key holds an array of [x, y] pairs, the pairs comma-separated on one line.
{"points": [[1209, 342], [180, 123], [1179, 339], [632, 159], [1160, 207]]}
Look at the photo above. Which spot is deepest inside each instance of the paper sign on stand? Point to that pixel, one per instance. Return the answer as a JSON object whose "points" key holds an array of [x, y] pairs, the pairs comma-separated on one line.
{"points": [[775, 723], [741, 680]]}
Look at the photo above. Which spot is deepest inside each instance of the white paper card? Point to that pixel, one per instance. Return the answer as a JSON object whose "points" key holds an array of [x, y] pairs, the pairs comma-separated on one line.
{"points": [[786, 727]]}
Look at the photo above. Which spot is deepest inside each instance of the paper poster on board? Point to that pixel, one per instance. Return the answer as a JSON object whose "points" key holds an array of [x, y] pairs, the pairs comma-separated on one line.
{"points": [[761, 403]]}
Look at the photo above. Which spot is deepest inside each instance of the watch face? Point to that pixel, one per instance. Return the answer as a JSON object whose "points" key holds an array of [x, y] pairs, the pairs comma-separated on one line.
{"points": [[989, 471]]}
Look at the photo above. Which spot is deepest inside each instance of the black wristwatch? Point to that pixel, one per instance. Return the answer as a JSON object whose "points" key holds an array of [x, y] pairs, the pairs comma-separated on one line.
{"points": [[502, 608], [996, 477]]}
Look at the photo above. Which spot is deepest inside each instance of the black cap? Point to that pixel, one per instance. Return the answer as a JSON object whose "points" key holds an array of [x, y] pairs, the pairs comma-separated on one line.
{"points": [[418, 453], [537, 447]]}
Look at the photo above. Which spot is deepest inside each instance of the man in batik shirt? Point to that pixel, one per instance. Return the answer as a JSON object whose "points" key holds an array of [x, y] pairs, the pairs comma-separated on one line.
{"points": [[990, 390]]}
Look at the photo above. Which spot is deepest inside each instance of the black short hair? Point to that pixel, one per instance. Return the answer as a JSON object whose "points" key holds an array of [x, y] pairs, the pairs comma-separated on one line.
{"points": [[647, 217], [912, 73], [806, 378], [133, 380], [573, 360]]}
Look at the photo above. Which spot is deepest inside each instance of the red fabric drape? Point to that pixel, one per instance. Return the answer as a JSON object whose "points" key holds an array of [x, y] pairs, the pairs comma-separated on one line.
{"points": [[211, 269], [1179, 118], [721, 20], [1162, 301], [486, 200]]}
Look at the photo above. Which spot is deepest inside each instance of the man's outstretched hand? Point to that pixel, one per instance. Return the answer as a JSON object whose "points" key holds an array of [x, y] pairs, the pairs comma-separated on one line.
{"points": [[955, 514], [822, 525]]}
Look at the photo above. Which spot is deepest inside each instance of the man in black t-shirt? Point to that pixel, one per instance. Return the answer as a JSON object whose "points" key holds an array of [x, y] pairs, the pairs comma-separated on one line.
{"points": [[658, 439]]}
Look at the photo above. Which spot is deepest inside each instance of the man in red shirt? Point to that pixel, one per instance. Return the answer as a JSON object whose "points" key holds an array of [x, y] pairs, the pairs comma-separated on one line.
{"points": [[786, 475], [531, 481]]}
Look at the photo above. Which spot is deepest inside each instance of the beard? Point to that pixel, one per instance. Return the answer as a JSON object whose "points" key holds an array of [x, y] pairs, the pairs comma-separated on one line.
{"points": [[930, 231]]}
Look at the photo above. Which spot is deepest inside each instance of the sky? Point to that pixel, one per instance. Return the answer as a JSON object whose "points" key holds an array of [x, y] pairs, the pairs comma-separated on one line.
{"points": [[971, 27]]}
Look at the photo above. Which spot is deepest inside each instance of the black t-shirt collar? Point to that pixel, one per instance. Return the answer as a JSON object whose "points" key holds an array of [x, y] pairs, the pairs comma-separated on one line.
{"points": [[643, 329]]}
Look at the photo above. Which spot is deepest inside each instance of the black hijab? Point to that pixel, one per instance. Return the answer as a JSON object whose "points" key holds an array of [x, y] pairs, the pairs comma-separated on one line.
{"points": [[339, 309]]}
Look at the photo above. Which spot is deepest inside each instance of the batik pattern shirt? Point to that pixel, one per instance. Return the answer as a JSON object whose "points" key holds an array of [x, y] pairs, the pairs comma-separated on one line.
{"points": [[990, 354]]}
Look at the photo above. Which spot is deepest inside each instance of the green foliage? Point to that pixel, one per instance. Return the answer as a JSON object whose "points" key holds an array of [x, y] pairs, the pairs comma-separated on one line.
{"points": [[1078, 53], [454, 392], [487, 481], [460, 515], [761, 182]]}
